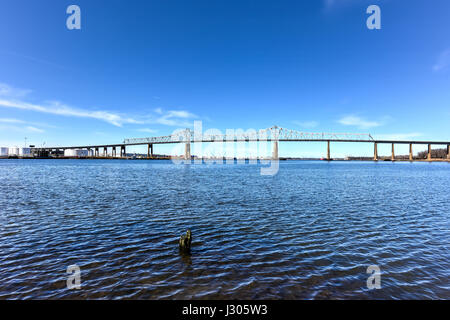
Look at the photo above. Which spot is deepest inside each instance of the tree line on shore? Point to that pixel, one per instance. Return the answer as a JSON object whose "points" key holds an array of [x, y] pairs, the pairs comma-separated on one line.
{"points": [[435, 154]]}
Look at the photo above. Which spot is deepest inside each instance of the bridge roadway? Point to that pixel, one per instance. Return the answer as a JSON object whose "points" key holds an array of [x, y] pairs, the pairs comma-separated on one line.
{"points": [[274, 134]]}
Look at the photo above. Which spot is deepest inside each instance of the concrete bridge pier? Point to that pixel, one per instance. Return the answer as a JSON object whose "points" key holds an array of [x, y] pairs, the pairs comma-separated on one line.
{"points": [[150, 150], [187, 151], [97, 152], [113, 152], [375, 151], [105, 151], [429, 152], [410, 152], [122, 152], [275, 150], [328, 151], [393, 153], [187, 145], [448, 152]]}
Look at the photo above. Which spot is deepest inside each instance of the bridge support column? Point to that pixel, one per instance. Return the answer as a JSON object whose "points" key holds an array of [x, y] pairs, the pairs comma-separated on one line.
{"points": [[150, 150], [113, 152], [187, 151], [275, 150], [328, 151], [448, 152], [410, 152], [122, 151], [375, 151], [429, 152], [105, 151], [393, 153], [97, 152]]}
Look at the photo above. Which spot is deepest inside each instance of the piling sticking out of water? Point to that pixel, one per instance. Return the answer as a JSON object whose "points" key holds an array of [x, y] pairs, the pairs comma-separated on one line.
{"points": [[185, 242]]}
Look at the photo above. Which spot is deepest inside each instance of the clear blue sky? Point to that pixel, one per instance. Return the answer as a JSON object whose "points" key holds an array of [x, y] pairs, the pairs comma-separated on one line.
{"points": [[145, 68]]}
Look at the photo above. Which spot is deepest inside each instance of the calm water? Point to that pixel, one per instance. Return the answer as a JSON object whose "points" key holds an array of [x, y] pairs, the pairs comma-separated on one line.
{"points": [[309, 232]]}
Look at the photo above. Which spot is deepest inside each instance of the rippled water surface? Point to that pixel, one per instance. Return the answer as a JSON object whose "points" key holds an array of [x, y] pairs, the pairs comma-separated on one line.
{"points": [[310, 231]]}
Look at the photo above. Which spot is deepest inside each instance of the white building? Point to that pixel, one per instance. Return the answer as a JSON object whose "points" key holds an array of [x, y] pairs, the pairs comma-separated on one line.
{"points": [[75, 153], [24, 152], [13, 151], [4, 152]]}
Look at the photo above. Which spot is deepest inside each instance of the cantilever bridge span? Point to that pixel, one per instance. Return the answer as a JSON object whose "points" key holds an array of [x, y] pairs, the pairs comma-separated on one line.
{"points": [[274, 134]]}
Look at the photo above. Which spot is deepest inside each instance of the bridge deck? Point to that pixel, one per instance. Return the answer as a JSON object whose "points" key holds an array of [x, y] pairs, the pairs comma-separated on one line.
{"points": [[253, 140]]}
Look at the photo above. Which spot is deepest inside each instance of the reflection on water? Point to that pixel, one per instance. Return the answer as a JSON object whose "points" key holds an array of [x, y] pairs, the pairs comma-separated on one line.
{"points": [[186, 258], [311, 231]]}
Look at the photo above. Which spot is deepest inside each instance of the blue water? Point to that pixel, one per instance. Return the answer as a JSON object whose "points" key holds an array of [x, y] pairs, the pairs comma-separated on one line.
{"points": [[309, 232]]}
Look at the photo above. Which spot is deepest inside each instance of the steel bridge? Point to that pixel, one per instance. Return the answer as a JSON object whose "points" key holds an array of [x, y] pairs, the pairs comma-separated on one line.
{"points": [[270, 134], [274, 134]]}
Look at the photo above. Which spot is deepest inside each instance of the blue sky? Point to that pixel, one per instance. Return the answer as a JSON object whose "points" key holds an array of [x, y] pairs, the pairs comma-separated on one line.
{"points": [[147, 68]]}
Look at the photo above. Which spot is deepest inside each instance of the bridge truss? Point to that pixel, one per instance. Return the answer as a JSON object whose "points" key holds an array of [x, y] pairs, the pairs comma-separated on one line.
{"points": [[270, 134]]}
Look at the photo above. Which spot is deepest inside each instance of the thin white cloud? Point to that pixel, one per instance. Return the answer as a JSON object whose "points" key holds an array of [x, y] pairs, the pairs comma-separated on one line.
{"points": [[33, 59], [9, 91], [64, 110], [147, 130], [20, 129], [9, 99], [398, 136], [31, 123], [330, 5], [9, 120], [180, 114], [359, 122], [443, 61], [306, 124], [34, 129], [175, 118]]}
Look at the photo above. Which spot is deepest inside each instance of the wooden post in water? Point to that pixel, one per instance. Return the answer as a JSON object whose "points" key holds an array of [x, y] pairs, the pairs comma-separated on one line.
{"points": [[185, 242], [429, 152], [448, 152], [410, 152], [393, 153]]}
